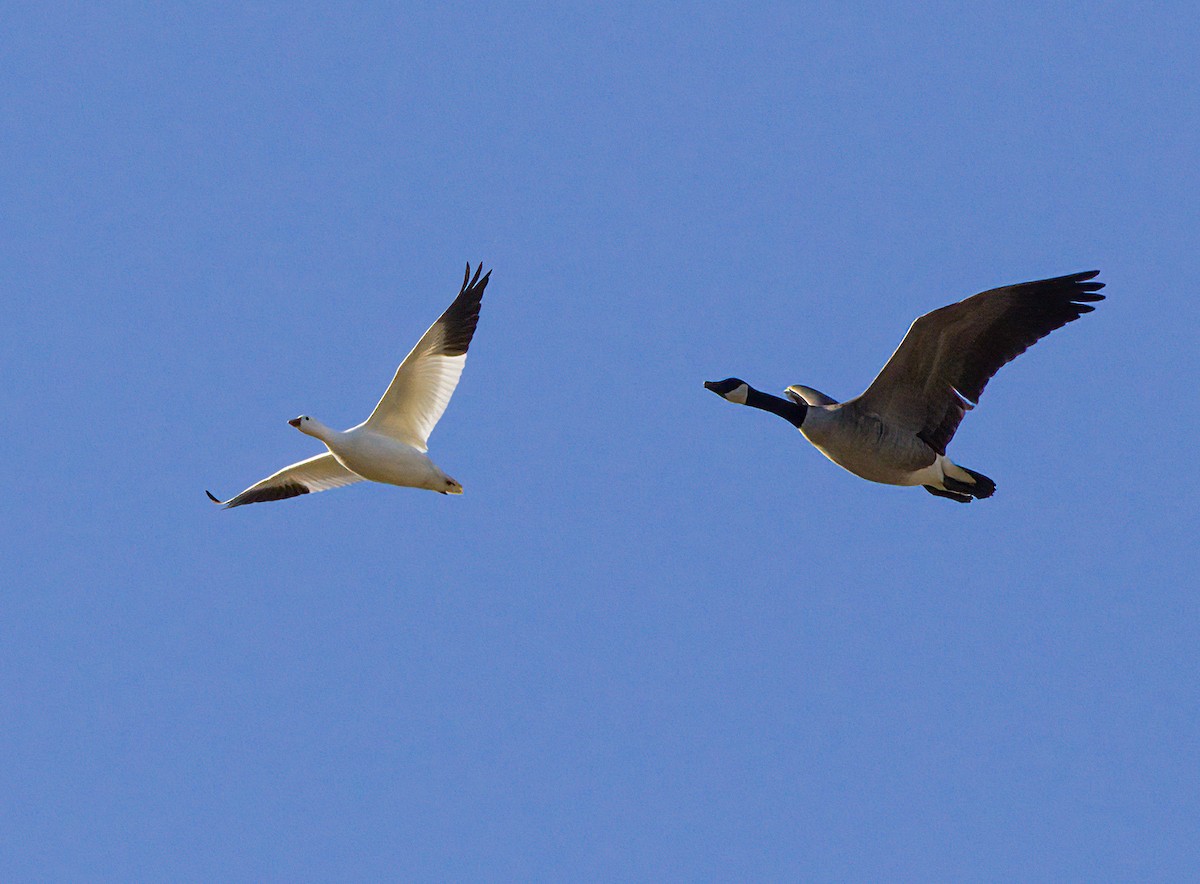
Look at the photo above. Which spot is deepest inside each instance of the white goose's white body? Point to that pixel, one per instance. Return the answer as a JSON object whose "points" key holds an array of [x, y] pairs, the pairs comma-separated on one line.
{"points": [[391, 445], [377, 457]]}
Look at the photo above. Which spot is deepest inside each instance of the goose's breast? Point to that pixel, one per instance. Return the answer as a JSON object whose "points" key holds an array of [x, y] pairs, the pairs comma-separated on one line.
{"points": [[867, 447], [383, 459]]}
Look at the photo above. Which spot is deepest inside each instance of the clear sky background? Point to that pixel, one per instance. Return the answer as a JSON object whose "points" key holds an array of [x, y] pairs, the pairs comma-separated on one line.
{"points": [[659, 637]]}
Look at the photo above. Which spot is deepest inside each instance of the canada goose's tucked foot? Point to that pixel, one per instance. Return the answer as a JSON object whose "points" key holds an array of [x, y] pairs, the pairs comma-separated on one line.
{"points": [[897, 430], [951, 495], [391, 445], [983, 487], [970, 489]]}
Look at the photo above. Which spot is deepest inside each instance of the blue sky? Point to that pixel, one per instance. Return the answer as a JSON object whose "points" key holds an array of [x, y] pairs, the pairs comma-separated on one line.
{"points": [[659, 637]]}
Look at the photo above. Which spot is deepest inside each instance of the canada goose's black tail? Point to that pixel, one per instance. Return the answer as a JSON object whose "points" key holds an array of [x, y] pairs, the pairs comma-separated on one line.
{"points": [[951, 495], [984, 487], [956, 489]]}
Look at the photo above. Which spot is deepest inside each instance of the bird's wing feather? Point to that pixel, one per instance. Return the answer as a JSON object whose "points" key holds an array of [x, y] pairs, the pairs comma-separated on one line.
{"points": [[421, 389], [799, 393], [319, 473], [948, 356]]}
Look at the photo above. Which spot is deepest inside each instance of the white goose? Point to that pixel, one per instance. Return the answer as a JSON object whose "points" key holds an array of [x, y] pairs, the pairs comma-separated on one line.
{"points": [[389, 446], [897, 431]]}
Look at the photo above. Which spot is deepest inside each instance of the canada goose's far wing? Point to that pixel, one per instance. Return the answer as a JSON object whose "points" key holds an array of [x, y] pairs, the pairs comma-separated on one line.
{"points": [[318, 473], [799, 393], [948, 356], [419, 393]]}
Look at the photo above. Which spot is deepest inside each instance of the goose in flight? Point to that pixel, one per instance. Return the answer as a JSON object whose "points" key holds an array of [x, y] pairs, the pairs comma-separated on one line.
{"points": [[897, 431], [389, 446]]}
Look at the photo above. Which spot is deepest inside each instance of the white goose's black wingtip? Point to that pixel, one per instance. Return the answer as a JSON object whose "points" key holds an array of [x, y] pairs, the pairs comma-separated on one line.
{"points": [[213, 499], [462, 316], [470, 282]]}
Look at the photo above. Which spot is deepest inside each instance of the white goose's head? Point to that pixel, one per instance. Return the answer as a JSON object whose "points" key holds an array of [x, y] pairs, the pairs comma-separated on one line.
{"points": [[449, 486], [310, 426], [733, 389]]}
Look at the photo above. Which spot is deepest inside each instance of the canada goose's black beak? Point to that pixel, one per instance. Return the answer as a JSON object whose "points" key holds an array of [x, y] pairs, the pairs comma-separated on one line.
{"points": [[295, 422], [708, 385]]}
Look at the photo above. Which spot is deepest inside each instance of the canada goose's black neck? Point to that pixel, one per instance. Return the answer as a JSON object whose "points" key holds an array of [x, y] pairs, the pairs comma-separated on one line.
{"points": [[792, 412]]}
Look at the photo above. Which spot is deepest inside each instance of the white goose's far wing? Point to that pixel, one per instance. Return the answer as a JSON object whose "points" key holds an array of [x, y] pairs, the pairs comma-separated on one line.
{"points": [[318, 473], [419, 393]]}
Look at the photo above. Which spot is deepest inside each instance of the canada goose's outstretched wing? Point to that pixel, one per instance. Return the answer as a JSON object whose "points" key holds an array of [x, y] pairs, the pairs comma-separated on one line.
{"points": [[425, 380], [948, 356], [318, 473]]}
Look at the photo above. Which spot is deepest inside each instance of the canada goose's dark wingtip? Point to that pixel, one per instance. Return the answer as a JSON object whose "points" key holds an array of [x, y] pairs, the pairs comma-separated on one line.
{"points": [[1087, 289], [210, 497], [1081, 288]]}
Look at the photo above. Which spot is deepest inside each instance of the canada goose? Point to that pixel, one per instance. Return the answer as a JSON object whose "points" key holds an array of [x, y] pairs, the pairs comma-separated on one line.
{"points": [[897, 431], [389, 446]]}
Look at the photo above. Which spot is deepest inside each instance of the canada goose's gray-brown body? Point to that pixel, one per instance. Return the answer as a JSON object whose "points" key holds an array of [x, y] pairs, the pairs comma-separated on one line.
{"points": [[897, 431]]}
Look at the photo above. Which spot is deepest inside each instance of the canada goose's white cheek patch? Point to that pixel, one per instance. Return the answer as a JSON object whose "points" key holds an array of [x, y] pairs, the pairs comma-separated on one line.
{"points": [[739, 394]]}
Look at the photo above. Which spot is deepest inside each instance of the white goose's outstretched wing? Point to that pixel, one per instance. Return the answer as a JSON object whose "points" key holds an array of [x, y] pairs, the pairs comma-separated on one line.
{"points": [[421, 389], [318, 473], [948, 356]]}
